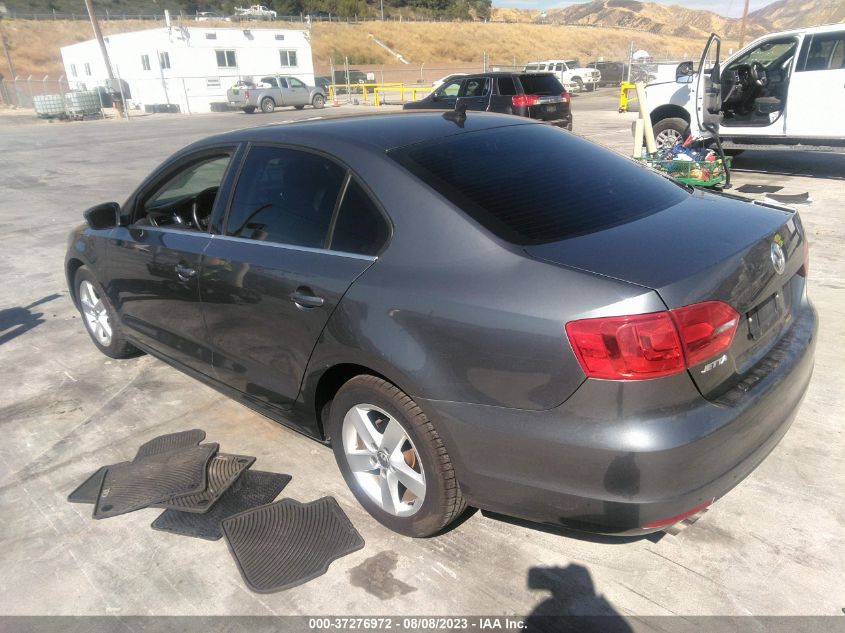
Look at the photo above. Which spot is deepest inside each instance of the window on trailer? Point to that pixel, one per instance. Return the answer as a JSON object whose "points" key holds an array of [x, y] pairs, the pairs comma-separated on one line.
{"points": [[288, 58], [164, 60], [145, 62], [73, 70], [88, 69], [226, 59]]}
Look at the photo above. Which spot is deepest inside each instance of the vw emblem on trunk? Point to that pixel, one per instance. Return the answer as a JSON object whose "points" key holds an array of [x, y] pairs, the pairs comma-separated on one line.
{"points": [[778, 258]]}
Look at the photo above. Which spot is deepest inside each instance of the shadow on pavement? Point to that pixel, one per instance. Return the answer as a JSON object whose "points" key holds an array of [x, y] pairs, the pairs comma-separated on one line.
{"points": [[20, 320], [826, 165], [573, 605]]}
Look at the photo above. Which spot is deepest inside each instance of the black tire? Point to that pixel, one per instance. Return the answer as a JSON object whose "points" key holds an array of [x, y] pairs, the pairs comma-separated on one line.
{"points": [[319, 102], [669, 127], [267, 105], [579, 83], [443, 501], [118, 347], [299, 107], [591, 87], [249, 109], [729, 152]]}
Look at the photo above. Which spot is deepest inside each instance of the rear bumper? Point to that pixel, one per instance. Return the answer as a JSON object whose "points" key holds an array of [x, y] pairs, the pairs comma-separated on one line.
{"points": [[617, 456]]}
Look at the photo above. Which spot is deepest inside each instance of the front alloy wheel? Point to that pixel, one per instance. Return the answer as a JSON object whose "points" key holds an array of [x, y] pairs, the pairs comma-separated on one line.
{"points": [[384, 460], [95, 313]]}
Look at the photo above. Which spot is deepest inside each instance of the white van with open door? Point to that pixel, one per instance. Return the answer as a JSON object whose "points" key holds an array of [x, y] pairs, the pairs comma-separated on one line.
{"points": [[784, 89]]}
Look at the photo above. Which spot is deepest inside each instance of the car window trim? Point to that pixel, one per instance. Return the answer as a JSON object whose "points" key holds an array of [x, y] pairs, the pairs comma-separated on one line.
{"points": [[312, 150], [216, 237], [170, 168]]}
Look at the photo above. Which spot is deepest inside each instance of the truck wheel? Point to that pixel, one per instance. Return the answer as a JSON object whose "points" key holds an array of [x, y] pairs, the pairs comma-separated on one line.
{"points": [[591, 87], [249, 109], [267, 105], [668, 132], [392, 458], [579, 83], [318, 101]]}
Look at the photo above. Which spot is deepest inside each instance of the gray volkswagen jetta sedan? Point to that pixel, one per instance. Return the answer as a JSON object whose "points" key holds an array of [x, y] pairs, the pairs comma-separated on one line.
{"points": [[472, 310]]}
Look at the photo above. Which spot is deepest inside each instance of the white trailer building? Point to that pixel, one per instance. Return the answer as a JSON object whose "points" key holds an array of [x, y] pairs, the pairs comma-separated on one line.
{"points": [[189, 67]]}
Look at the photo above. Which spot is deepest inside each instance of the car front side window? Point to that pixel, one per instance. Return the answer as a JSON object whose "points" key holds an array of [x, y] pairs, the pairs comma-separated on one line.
{"points": [[450, 89], [186, 198], [285, 196]]}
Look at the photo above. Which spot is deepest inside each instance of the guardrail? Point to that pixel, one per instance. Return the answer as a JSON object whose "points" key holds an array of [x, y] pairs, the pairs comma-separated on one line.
{"points": [[379, 90]]}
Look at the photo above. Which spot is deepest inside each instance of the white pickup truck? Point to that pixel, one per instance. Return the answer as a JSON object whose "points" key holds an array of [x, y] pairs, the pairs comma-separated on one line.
{"points": [[256, 11], [569, 72], [785, 89]]}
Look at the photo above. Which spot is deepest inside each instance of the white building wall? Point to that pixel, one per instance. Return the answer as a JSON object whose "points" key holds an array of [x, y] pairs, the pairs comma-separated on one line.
{"points": [[194, 80]]}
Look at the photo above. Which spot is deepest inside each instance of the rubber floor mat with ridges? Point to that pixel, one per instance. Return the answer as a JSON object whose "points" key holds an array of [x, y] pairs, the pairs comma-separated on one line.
{"points": [[153, 479], [170, 442], [253, 488], [287, 543], [223, 471]]}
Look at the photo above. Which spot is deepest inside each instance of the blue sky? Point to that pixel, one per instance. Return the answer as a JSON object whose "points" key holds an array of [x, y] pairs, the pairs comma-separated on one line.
{"points": [[729, 8]]}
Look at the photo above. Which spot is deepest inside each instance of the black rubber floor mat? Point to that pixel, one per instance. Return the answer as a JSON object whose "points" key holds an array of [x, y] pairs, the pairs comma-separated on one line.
{"points": [[87, 491], [287, 543], [749, 188], [253, 488], [170, 442], [223, 471], [153, 479]]}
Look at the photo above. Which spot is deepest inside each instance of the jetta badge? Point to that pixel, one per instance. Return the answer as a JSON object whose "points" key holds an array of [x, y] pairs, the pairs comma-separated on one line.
{"points": [[778, 258]]}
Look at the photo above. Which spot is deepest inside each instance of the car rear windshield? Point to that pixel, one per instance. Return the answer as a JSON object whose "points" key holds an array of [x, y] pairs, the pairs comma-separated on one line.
{"points": [[533, 184], [540, 84]]}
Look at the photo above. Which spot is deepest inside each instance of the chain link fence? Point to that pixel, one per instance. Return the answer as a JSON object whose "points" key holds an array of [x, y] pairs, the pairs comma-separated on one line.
{"points": [[21, 92]]}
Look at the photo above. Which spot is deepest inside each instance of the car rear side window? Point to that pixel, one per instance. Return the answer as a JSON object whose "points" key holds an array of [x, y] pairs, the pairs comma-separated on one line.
{"points": [[360, 226], [540, 84], [506, 86], [493, 176], [285, 196]]}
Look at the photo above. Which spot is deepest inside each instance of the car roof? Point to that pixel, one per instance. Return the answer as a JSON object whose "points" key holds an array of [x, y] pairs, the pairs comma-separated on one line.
{"points": [[379, 132]]}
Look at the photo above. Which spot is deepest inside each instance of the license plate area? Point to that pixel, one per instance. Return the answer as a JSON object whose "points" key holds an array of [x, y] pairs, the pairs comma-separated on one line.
{"points": [[767, 315]]}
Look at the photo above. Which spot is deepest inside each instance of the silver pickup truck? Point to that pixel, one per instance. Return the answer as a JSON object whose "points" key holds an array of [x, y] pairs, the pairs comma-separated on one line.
{"points": [[278, 90]]}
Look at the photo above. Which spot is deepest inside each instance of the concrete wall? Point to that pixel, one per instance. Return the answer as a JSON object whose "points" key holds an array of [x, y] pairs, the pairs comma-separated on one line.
{"points": [[194, 79]]}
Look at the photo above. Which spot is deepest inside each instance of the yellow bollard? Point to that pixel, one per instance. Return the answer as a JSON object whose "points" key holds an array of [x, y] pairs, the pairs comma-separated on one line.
{"points": [[376, 97], [624, 87]]}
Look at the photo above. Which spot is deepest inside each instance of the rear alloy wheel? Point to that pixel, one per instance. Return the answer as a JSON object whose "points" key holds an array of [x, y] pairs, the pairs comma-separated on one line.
{"points": [[99, 317], [669, 132], [579, 83], [392, 458], [267, 105], [318, 101]]}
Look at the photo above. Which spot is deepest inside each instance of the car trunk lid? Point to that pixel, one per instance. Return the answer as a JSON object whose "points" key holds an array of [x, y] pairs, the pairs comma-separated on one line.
{"points": [[705, 248]]}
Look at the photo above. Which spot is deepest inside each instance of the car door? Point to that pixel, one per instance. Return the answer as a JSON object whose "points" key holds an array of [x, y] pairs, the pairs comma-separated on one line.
{"points": [[475, 93], [446, 96], [299, 92], [153, 261], [816, 99], [708, 87], [270, 282]]}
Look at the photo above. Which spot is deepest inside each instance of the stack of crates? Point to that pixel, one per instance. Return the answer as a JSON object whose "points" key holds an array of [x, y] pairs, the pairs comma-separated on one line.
{"points": [[82, 103], [49, 106]]}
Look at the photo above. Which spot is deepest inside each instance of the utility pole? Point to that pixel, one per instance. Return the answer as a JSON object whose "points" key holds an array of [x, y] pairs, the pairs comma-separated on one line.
{"points": [[382, 10], [5, 40], [99, 35], [742, 27]]}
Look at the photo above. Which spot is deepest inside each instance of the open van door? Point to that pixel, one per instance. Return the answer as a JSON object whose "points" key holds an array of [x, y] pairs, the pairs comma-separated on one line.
{"points": [[708, 88]]}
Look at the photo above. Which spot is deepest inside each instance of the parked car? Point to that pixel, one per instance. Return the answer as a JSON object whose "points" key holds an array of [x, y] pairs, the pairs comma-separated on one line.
{"points": [[614, 73], [477, 310], [568, 71], [536, 96], [323, 82], [786, 88], [255, 12], [274, 91], [204, 16]]}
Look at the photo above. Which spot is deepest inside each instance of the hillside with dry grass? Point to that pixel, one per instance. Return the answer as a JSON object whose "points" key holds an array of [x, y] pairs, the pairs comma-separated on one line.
{"points": [[35, 44]]}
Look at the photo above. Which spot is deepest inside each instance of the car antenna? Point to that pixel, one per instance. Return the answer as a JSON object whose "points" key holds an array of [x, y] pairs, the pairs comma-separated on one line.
{"points": [[458, 116]]}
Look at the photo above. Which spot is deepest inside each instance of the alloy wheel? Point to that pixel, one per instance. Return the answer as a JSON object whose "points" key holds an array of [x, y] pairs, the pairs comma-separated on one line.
{"points": [[667, 138], [383, 460], [95, 312]]}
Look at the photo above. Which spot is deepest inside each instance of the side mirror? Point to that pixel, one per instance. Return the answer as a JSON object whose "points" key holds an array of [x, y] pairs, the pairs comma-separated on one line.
{"points": [[103, 216], [684, 73]]}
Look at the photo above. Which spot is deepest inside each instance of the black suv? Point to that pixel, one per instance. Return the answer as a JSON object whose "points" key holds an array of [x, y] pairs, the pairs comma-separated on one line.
{"points": [[535, 95]]}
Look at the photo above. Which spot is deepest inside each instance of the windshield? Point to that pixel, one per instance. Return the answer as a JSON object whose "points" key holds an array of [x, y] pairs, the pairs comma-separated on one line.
{"points": [[572, 63], [492, 176], [769, 54]]}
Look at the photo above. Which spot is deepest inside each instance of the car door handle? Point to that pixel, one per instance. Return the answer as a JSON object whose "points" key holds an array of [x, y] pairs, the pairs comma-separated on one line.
{"points": [[184, 272], [305, 298]]}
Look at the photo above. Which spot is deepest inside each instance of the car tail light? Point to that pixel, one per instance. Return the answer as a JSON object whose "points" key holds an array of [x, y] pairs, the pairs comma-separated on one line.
{"points": [[246, 94], [521, 101], [643, 346], [565, 97]]}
